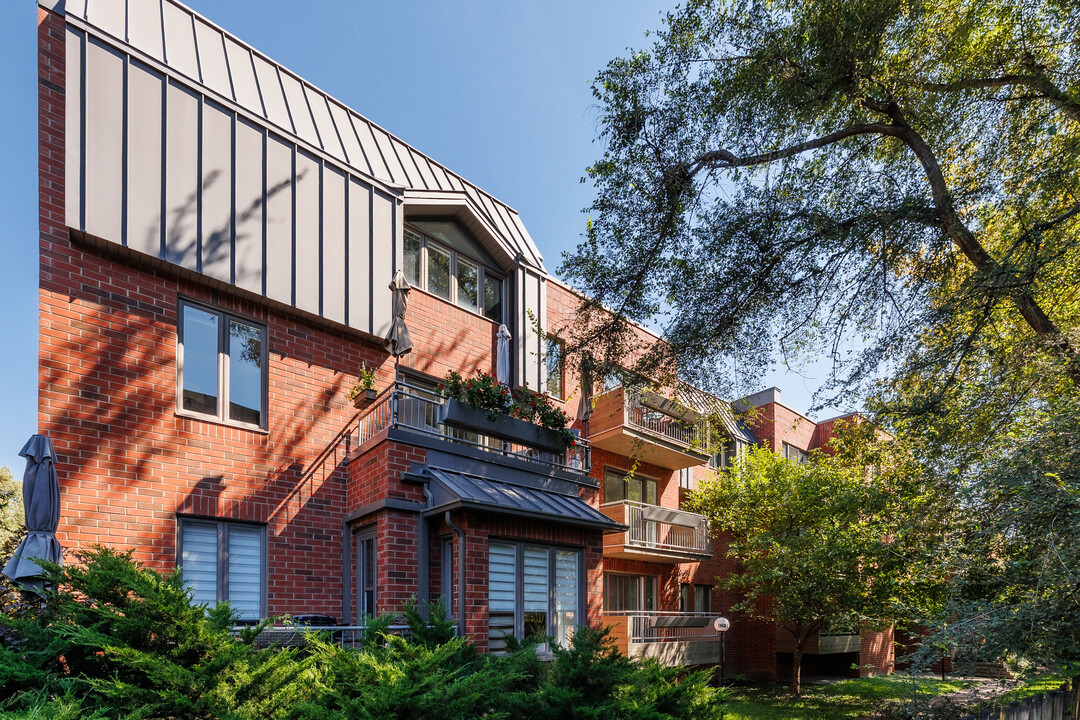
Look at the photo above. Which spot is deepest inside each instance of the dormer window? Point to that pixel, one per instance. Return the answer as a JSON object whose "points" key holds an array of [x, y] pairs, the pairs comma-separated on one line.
{"points": [[444, 260]]}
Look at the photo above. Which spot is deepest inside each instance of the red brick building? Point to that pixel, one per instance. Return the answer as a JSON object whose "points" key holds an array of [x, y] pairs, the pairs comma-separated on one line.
{"points": [[218, 238]]}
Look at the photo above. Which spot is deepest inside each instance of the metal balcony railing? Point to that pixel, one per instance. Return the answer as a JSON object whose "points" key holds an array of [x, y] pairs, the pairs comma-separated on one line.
{"points": [[653, 626], [417, 409], [664, 529], [638, 413]]}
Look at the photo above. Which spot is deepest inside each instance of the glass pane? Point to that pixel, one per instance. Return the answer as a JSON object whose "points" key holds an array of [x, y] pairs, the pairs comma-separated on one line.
{"points": [[438, 273], [633, 490], [684, 597], [502, 569], [198, 562], [466, 284], [650, 594], [701, 598], [614, 487], [412, 258], [493, 298], [453, 235], [554, 368], [650, 491], [535, 586], [245, 572], [245, 372], [200, 346]]}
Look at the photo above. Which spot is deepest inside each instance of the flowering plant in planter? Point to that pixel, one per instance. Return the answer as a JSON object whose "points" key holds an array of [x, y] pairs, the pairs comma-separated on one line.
{"points": [[538, 408], [485, 392], [482, 392]]}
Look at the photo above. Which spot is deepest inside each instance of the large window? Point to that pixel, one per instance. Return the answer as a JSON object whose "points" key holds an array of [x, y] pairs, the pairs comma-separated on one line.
{"points": [[628, 593], [620, 486], [442, 259], [533, 592], [225, 561], [222, 366]]}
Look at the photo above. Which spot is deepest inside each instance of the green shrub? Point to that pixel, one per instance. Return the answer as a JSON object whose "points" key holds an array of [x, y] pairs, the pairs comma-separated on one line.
{"points": [[117, 640]]}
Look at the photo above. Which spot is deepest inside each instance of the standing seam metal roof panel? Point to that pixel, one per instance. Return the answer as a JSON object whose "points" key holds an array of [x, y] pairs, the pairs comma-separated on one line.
{"points": [[518, 499]]}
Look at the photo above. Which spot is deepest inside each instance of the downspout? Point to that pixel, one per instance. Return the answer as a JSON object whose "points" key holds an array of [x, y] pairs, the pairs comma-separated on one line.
{"points": [[461, 572], [346, 573], [423, 558]]}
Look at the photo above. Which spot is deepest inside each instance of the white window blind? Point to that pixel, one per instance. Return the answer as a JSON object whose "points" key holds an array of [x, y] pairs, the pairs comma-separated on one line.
{"points": [[245, 571], [199, 561], [502, 573]]}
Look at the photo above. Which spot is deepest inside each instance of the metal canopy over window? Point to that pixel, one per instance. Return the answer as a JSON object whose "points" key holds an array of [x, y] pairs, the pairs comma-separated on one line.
{"points": [[451, 490]]}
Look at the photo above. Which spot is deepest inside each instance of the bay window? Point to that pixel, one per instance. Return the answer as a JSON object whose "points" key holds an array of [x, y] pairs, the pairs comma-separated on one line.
{"points": [[534, 592]]}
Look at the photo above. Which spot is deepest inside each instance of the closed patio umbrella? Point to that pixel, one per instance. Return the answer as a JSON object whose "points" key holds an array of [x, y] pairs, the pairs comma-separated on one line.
{"points": [[41, 500], [398, 341], [585, 404], [502, 356]]}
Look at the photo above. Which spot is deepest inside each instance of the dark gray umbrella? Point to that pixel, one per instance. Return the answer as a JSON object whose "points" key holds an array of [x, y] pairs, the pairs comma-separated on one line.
{"points": [[398, 341], [585, 403], [41, 499]]}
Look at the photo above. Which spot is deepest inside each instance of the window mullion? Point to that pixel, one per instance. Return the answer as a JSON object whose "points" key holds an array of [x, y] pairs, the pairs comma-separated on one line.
{"points": [[223, 562]]}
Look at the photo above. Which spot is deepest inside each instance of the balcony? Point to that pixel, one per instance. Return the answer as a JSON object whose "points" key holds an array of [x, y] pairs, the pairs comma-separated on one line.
{"points": [[673, 638], [419, 410], [657, 534], [637, 422], [819, 644]]}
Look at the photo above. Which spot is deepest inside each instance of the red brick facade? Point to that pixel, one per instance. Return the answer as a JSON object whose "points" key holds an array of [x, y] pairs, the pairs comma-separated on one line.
{"points": [[133, 467]]}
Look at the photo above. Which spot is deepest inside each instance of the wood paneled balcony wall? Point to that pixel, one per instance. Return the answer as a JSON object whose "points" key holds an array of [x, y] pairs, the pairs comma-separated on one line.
{"points": [[637, 422]]}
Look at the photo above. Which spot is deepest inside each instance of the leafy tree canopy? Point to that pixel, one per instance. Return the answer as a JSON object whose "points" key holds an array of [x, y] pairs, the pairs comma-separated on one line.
{"points": [[843, 539], [894, 180]]}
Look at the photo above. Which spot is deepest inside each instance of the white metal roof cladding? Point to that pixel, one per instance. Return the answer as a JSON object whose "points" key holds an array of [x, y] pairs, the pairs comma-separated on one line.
{"points": [[192, 46]]}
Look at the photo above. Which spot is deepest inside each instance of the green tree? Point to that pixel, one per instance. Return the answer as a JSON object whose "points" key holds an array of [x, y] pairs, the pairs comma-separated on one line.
{"points": [[893, 180], [843, 539], [12, 522]]}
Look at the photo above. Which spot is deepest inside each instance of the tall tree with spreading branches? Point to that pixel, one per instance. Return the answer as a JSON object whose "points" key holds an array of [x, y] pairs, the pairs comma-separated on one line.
{"points": [[894, 180]]}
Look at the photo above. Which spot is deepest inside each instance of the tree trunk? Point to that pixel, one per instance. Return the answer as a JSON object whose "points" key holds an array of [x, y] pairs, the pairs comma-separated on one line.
{"points": [[796, 665]]}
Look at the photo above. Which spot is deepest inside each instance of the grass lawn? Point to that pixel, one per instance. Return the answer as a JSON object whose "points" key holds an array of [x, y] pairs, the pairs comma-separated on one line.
{"points": [[847, 699]]}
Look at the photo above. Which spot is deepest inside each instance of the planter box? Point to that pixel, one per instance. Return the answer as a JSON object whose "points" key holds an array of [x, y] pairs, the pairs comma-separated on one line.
{"points": [[364, 398], [457, 414]]}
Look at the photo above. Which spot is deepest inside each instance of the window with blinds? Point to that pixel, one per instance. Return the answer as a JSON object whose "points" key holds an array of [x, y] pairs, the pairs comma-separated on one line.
{"points": [[533, 593], [222, 561]]}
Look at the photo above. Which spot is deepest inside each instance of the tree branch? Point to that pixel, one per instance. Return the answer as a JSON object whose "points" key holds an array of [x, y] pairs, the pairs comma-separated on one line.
{"points": [[720, 159]]}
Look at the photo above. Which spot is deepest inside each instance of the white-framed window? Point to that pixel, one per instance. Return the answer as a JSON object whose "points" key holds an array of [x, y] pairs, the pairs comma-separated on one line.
{"points": [[686, 478], [534, 591], [619, 486], [443, 259], [556, 379], [221, 366], [628, 593], [221, 560], [795, 454]]}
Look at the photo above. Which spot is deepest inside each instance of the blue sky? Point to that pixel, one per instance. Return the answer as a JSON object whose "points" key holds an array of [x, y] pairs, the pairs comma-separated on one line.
{"points": [[498, 91]]}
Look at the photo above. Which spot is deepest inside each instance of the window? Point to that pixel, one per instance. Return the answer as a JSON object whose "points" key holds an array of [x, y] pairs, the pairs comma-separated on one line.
{"points": [[686, 478], [619, 486], [702, 598], [684, 597], [533, 592], [795, 454], [222, 366], [554, 359], [442, 259], [225, 561], [367, 576], [628, 593]]}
